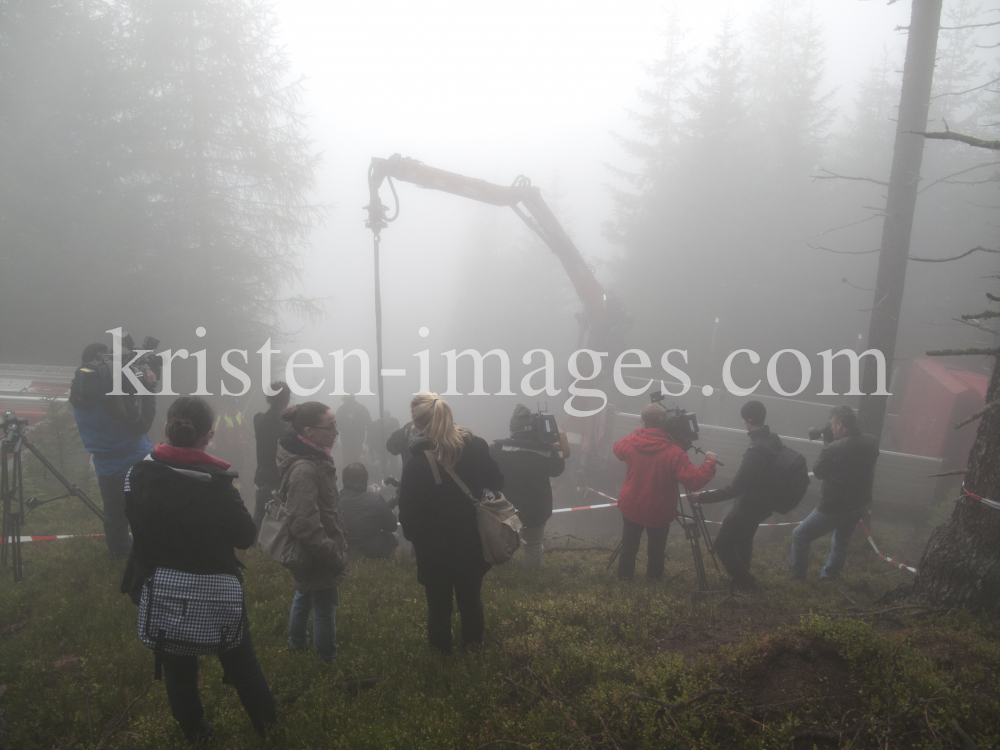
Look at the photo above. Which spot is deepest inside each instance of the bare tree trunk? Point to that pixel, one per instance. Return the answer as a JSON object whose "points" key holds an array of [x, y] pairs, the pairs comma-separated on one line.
{"points": [[907, 155], [961, 565]]}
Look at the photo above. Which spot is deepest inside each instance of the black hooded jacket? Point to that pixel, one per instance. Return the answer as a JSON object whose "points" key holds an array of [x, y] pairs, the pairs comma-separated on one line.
{"points": [[186, 516], [440, 520], [527, 466], [750, 486]]}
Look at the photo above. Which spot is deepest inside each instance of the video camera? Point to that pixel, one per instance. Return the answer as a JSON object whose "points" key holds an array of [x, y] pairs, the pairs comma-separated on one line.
{"points": [[543, 429], [824, 432], [680, 424], [95, 379], [149, 359], [12, 425]]}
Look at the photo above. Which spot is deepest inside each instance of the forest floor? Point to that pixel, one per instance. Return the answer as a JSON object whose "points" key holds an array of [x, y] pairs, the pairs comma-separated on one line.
{"points": [[572, 658]]}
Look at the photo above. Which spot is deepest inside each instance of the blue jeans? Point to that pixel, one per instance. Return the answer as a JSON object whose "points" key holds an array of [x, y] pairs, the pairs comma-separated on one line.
{"points": [[323, 605], [819, 524]]}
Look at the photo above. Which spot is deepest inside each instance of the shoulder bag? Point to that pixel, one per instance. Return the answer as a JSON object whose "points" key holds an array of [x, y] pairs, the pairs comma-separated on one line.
{"points": [[184, 614], [498, 522], [274, 538]]}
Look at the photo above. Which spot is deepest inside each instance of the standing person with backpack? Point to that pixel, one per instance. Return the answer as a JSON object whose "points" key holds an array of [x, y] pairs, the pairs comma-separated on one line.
{"points": [[847, 467], [440, 518], [309, 491], [754, 488]]}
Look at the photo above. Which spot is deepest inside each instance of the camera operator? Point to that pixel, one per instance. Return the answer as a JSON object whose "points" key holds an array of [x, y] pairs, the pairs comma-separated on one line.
{"points": [[527, 463], [847, 467], [750, 487], [113, 430], [648, 498]]}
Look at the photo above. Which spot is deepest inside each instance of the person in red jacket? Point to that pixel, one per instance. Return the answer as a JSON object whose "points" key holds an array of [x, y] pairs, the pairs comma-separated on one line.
{"points": [[648, 499]]}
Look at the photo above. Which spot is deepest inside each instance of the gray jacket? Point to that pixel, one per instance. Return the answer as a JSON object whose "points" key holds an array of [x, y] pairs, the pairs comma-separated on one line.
{"points": [[309, 484]]}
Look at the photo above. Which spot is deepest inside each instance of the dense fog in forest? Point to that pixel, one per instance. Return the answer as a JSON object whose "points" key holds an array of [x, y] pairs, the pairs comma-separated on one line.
{"points": [[720, 167]]}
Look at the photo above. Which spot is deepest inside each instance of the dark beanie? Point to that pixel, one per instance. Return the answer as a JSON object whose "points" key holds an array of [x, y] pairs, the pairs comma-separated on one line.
{"points": [[754, 413], [92, 351], [521, 420]]}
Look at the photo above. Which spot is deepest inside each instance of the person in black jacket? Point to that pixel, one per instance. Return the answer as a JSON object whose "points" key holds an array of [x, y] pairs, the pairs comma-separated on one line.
{"points": [[440, 519], [355, 424], [527, 464], [186, 515], [734, 543], [847, 467], [368, 521], [268, 428]]}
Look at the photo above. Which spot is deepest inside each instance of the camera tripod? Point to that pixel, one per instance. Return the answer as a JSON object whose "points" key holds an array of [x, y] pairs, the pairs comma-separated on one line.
{"points": [[694, 528], [12, 489]]}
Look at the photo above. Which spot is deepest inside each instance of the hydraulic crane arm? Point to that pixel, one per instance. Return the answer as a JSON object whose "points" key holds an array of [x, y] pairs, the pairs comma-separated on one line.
{"points": [[525, 200]]}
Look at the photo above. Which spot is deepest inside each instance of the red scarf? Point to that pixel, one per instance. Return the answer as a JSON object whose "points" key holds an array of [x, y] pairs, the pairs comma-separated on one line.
{"points": [[174, 455]]}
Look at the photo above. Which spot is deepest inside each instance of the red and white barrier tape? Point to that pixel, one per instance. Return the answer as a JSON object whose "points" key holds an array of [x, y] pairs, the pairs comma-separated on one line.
{"points": [[897, 563], [48, 538], [984, 500], [585, 490], [787, 523]]}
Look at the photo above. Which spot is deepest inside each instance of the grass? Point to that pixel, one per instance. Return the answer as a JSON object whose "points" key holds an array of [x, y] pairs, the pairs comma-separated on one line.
{"points": [[567, 651]]}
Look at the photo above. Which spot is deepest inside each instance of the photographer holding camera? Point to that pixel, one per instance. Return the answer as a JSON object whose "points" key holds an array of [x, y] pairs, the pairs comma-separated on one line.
{"points": [[751, 488], [527, 460], [847, 467], [113, 430], [648, 499]]}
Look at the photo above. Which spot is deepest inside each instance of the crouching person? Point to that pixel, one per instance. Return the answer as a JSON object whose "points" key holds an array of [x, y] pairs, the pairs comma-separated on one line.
{"points": [[527, 464], [648, 498], [186, 520], [368, 521]]}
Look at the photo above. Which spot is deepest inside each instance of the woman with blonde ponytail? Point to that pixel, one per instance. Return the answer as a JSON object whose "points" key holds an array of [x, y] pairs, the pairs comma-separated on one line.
{"points": [[440, 519]]}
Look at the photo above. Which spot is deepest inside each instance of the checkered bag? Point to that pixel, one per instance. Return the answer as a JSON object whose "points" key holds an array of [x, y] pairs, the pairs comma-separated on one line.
{"points": [[184, 614]]}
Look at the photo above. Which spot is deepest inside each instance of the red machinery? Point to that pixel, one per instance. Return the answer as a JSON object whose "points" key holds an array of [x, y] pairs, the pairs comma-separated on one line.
{"points": [[602, 320], [935, 400]]}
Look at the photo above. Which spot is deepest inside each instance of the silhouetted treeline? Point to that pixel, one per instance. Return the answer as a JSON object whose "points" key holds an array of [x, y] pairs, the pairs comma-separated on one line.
{"points": [[156, 173]]}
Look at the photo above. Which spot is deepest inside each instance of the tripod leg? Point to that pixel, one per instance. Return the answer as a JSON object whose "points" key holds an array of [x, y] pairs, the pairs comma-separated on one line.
{"points": [[74, 490], [614, 556], [699, 564], [708, 540]]}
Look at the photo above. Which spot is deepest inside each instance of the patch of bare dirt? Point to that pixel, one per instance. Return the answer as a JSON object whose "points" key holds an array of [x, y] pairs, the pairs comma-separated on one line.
{"points": [[691, 641], [795, 669]]}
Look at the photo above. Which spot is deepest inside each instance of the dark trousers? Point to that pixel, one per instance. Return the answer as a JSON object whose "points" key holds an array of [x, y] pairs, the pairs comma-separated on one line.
{"points": [[734, 543], [470, 608], [656, 545], [115, 523], [241, 668]]}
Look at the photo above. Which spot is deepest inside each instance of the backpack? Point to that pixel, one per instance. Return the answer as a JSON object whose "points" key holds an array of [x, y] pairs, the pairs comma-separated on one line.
{"points": [[789, 480]]}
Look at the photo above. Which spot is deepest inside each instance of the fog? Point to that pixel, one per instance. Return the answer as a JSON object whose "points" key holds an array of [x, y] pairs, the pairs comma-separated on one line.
{"points": [[494, 90]]}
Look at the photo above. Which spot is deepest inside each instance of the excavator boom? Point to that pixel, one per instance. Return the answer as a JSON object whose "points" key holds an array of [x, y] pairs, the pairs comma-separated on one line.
{"points": [[525, 200]]}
